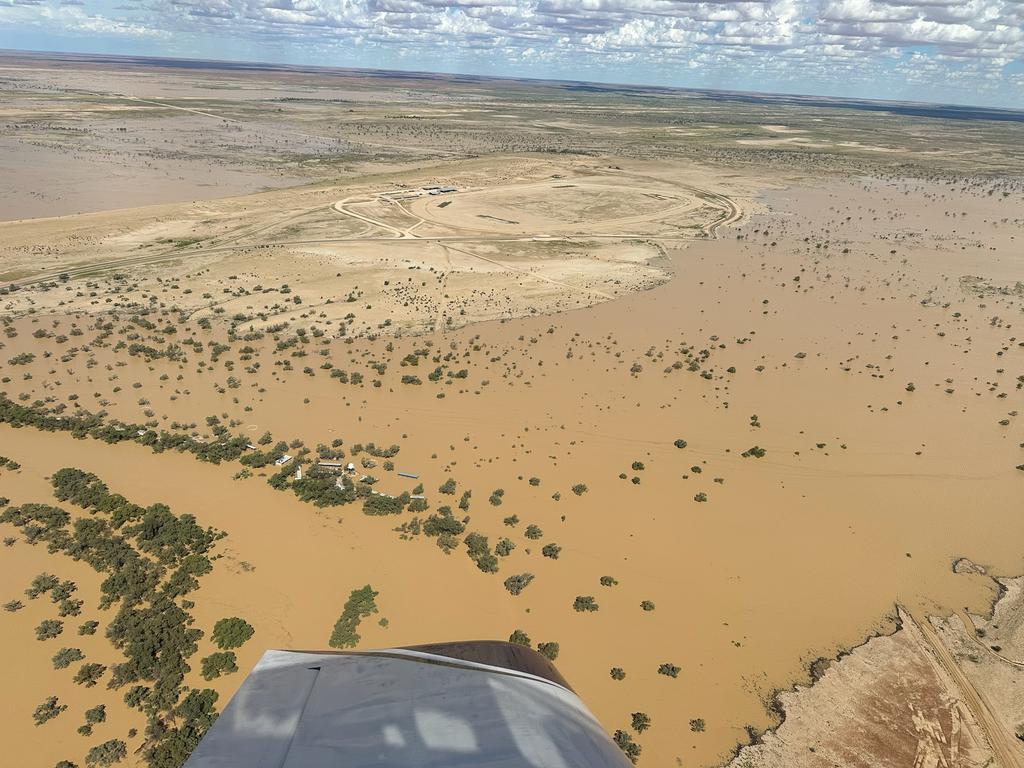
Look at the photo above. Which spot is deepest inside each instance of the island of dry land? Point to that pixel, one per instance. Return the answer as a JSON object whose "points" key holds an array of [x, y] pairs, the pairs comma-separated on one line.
{"points": [[712, 398]]}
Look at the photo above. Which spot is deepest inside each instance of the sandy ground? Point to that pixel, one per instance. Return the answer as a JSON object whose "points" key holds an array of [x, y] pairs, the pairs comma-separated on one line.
{"points": [[862, 331]]}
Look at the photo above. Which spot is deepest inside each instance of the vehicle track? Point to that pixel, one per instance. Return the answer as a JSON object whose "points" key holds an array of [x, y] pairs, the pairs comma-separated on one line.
{"points": [[1005, 747]]}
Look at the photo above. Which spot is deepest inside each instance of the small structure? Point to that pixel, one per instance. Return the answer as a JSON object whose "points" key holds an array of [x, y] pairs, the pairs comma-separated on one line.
{"points": [[251, 447], [282, 461], [409, 475], [350, 468], [298, 472], [445, 190], [330, 464]]}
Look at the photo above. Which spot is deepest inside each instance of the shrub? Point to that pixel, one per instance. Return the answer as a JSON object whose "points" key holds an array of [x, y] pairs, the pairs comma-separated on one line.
{"points": [[548, 650], [107, 753], [518, 637], [617, 673], [626, 744], [359, 605], [697, 725], [608, 581], [48, 710], [48, 629], [584, 603], [97, 714], [533, 532], [89, 674], [480, 553], [217, 664], [448, 487], [641, 722], [579, 489], [65, 657], [519, 582], [231, 633], [44, 582], [647, 605], [551, 550], [669, 670], [88, 628], [680, 443]]}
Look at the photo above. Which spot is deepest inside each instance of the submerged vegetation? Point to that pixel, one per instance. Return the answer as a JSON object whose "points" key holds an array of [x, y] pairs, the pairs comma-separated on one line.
{"points": [[151, 558], [360, 604]]}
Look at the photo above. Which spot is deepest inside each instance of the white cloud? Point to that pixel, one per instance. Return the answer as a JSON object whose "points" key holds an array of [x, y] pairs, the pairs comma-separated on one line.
{"points": [[785, 43]]}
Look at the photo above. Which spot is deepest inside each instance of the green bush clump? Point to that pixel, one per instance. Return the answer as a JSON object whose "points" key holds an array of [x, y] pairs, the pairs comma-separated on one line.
{"points": [[107, 753], [518, 637], [517, 583], [231, 633], [48, 710], [669, 670], [479, 552], [49, 629], [220, 663], [359, 605], [585, 603], [548, 650], [65, 657], [627, 745]]}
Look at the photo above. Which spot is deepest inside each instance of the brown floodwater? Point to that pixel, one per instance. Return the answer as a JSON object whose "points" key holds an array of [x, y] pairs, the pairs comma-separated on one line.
{"points": [[793, 556]]}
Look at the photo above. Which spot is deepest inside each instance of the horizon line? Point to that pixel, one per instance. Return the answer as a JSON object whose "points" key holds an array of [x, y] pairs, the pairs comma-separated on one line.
{"points": [[849, 100]]}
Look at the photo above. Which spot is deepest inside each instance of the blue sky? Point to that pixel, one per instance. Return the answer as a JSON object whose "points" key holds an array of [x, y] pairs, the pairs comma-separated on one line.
{"points": [[956, 51]]}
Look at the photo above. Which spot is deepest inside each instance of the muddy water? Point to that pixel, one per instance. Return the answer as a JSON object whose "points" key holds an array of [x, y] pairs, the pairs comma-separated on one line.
{"points": [[794, 555]]}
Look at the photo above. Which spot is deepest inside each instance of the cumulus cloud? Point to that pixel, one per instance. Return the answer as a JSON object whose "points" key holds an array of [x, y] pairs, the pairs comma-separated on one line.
{"points": [[976, 46]]}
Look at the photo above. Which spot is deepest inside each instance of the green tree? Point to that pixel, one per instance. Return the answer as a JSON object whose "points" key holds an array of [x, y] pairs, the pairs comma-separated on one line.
{"points": [[107, 753], [641, 722], [217, 664], [359, 605], [65, 657], [89, 674], [584, 603], [669, 670], [48, 629], [548, 650], [518, 637], [231, 633], [48, 710], [627, 745], [517, 583]]}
